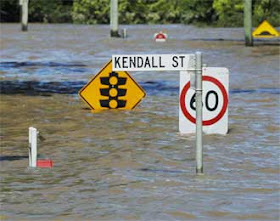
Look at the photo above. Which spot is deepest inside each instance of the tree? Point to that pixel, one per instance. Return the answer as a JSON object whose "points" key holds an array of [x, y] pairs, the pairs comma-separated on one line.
{"points": [[91, 11], [266, 10], [50, 11], [133, 12], [229, 12], [199, 11], [9, 10], [226, 13]]}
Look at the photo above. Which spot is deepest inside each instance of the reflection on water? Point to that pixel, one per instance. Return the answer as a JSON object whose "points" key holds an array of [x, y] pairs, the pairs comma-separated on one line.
{"points": [[134, 165]]}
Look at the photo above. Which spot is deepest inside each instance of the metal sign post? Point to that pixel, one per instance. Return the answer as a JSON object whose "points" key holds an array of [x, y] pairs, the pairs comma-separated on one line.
{"points": [[198, 103]]}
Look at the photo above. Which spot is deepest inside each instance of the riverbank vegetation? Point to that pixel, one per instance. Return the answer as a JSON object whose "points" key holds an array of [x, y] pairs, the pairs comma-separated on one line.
{"points": [[222, 13]]}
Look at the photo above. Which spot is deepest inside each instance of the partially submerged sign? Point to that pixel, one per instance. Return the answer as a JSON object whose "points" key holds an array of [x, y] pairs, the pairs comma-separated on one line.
{"points": [[112, 90], [265, 30], [215, 101], [160, 37], [152, 62]]}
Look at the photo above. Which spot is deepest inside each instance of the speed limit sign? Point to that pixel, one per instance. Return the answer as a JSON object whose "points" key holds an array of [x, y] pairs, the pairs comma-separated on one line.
{"points": [[215, 99]]}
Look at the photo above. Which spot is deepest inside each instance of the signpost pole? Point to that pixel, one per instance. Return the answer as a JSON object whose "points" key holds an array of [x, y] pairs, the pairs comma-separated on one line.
{"points": [[24, 15], [248, 22], [32, 147], [114, 19], [198, 103]]}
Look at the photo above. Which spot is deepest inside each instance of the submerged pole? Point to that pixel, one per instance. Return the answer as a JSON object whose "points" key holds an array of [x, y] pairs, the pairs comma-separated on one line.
{"points": [[114, 19], [33, 146], [198, 104], [24, 14], [248, 22]]}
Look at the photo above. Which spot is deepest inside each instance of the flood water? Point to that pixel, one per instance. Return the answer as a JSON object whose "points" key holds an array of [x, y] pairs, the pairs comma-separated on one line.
{"points": [[135, 165]]}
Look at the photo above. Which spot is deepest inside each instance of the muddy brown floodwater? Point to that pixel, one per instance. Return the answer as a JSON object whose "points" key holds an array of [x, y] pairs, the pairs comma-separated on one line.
{"points": [[134, 165]]}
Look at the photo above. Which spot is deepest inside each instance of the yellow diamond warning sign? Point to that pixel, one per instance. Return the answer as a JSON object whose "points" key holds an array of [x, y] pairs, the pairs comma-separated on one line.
{"points": [[112, 90], [265, 30]]}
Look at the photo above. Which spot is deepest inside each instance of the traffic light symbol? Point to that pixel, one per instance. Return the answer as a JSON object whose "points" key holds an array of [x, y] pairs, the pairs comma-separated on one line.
{"points": [[113, 92]]}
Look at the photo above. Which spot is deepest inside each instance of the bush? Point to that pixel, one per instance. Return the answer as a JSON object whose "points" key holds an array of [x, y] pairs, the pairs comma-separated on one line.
{"points": [[225, 13]]}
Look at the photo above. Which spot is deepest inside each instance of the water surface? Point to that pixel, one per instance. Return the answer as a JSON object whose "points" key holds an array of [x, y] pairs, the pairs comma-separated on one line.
{"points": [[134, 165]]}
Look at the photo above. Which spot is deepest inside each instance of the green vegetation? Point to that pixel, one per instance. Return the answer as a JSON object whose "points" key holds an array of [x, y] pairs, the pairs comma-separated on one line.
{"points": [[230, 12], [266, 10], [225, 13], [50, 11]]}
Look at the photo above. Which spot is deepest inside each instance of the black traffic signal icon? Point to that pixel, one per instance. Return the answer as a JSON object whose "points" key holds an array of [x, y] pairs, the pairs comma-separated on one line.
{"points": [[113, 92]]}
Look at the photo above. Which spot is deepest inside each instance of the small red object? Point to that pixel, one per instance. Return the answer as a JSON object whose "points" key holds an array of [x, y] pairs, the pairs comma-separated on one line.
{"points": [[44, 163], [160, 37]]}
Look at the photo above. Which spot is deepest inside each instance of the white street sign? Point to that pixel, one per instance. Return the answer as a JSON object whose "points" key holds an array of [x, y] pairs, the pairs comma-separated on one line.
{"points": [[153, 62], [215, 83]]}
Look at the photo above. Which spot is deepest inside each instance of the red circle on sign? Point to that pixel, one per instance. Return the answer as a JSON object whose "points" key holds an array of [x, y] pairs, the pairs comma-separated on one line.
{"points": [[221, 113]]}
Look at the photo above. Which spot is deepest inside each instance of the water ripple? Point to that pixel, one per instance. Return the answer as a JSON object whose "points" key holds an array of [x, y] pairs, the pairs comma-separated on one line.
{"points": [[73, 87]]}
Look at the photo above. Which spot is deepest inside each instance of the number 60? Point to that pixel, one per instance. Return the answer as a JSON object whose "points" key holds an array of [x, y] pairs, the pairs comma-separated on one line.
{"points": [[192, 102]]}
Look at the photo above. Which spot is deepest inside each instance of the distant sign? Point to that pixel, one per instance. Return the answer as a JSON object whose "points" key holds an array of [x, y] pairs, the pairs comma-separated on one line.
{"points": [[265, 30], [152, 62], [112, 90], [160, 37], [215, 102]]}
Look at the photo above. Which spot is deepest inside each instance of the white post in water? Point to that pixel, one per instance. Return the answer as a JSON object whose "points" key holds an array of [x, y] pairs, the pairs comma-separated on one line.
{"points": [[24, 14], [114, 19], [198, 104], [124, 35], [33, 146]]}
